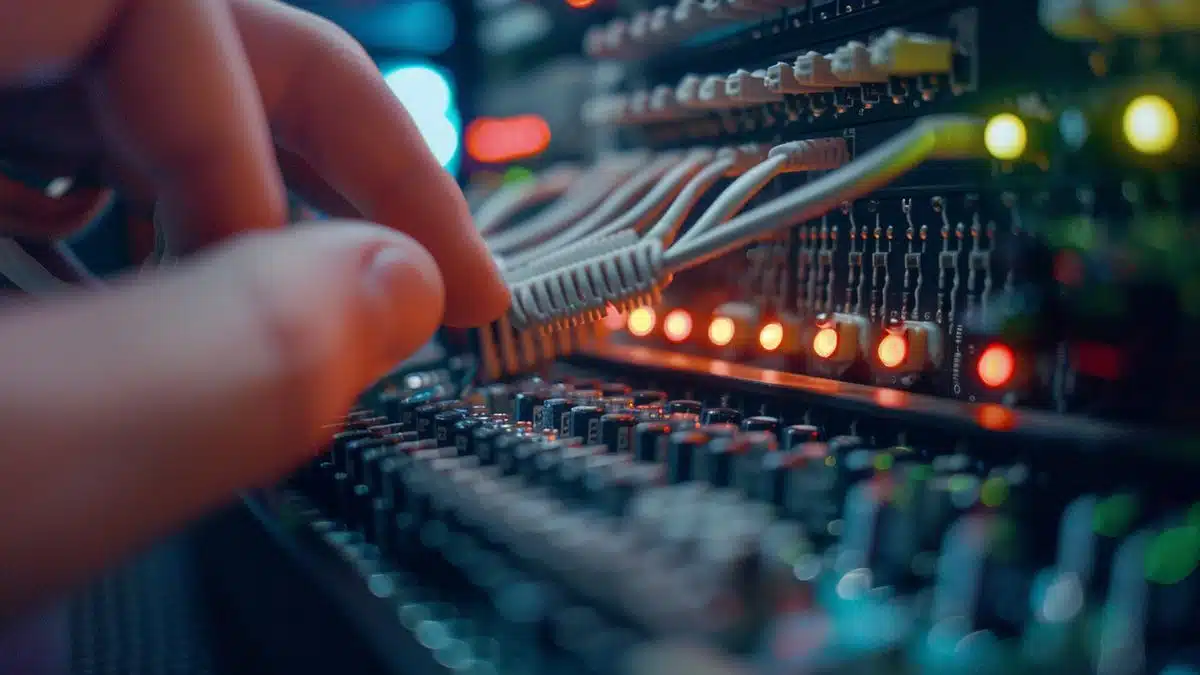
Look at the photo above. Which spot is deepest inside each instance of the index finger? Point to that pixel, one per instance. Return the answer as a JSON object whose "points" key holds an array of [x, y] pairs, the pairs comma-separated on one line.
{"points": [[328, 104]]}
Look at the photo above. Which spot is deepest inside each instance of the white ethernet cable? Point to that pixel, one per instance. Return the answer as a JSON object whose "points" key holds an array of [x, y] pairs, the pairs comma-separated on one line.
{"points": [[631, 273], [584, 195], [516, 242], [818, 154], [511, 200], [635, 218], [934, 137]]}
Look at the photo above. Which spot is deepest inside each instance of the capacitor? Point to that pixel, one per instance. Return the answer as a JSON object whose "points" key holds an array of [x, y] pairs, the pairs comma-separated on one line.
{"points": [[464, 435], [716, 461], [584, 422], [425, 415], [527, 406], [617, 403], [405, 410], [721, 416], [498, 397], [585, 396], [648, 397], [616, 432], [681, 450], [484, 446], [555, 414], [798, 434], [504, 451], [387, 429], [649, 440], [683, 407], [719, 430], [761, 423], [571, 472], [443, 426]]}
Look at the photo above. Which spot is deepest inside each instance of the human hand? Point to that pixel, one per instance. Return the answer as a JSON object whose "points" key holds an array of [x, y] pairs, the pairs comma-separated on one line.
{"points": [[130, 409]]}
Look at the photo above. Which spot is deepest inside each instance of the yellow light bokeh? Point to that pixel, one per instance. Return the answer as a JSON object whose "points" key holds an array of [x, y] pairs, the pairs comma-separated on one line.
{"points": [[677, 325], [825, 342], [641, 321], [892, 351], [721, 330], [771, 336], [1005, 137], [1150, 124]]}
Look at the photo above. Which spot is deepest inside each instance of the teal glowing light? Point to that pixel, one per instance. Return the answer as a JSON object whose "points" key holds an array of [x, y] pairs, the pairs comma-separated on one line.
{"points": [[428, 94]]}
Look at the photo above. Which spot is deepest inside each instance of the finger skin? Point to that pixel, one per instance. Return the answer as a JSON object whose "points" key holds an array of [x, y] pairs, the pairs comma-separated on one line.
{"points": [[174, 96], [328, 104], [128, 411]]}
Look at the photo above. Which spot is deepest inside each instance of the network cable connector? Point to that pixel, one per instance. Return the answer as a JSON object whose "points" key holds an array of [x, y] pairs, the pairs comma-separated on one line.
{"points": [[899, 53], [815, 71], [750, 88], [851, 63]]}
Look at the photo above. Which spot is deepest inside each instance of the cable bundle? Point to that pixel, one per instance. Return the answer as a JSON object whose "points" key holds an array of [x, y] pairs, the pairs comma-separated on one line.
{"points": [[623, 253]]}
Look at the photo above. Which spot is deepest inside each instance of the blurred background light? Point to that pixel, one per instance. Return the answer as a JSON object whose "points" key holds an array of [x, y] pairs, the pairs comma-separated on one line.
{"points": [[428, 94]]}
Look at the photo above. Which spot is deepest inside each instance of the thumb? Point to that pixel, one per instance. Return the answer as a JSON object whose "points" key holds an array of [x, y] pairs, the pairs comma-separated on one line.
{"points": [[129, 410]]}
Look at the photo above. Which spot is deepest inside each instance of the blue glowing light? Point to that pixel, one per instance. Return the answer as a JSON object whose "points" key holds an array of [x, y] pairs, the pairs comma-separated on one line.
{"points": [[428, 95]]}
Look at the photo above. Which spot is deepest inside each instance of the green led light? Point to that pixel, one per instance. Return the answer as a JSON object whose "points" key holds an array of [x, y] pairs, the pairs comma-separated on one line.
{"points": [[517, 174], [1173, 555], [994, 492], [1114, 516]]}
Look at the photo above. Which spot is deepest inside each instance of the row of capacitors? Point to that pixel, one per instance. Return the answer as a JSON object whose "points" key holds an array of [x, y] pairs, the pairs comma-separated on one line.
{"points": [[685, 511], [894, 54]]}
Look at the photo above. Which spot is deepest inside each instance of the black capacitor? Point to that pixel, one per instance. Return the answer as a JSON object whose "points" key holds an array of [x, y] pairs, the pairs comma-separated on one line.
{"points": [[719, 430], [617, 403], [683, 407], [464, 435], [683, 422], [798, 434], [388, 429], [616, 432], [761, 423], [717, 461], [498, 397], [569, 483], [485, 439], [618, 486], [555, 415], [425, 415], [528, 461], [644, 397], [721, 416], [527, 406], [761, 442], [443, 426], [681, 451], [406, 408], [649, 441], [584, 422], [504, 451]]}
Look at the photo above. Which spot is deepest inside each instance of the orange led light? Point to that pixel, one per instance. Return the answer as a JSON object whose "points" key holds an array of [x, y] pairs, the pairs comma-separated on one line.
{"points": [[892, 350], [498, 140], [677, 325], [580, 4], [720, 331], [996, 366], [825, 342], [641, 321], [771, 336]]}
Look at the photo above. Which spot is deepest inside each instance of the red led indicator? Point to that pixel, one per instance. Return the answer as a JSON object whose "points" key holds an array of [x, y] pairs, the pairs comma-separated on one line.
{"points": [[996, 366]]}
